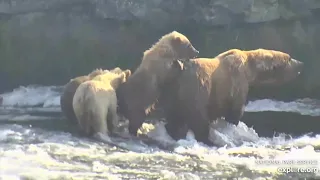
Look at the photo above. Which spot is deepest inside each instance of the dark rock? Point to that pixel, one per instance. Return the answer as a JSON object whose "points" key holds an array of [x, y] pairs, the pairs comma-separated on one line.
{"points": [[48, 42], [210, 12]]}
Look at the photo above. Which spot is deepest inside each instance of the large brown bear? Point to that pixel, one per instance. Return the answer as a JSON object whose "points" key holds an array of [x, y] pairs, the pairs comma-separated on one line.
{"points": [[211, 88], [137, 96], [69, 90], [95, 103]]}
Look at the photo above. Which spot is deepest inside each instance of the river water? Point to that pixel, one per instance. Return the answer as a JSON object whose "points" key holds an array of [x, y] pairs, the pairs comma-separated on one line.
{"points": [[35, 143]]}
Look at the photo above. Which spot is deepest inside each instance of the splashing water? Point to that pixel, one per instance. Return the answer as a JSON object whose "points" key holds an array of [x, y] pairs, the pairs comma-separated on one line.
{"points": [[48, 153]]}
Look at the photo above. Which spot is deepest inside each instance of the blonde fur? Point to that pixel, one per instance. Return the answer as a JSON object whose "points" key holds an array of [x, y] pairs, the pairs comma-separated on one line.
{"points": [[95, 73], [256, 61], [95, 103], [116, 70], [99, 71]]}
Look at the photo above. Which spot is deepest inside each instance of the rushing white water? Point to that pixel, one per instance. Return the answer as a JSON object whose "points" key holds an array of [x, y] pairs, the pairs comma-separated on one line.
{"points": [[47, 98], [305, 106], [39, 153]]}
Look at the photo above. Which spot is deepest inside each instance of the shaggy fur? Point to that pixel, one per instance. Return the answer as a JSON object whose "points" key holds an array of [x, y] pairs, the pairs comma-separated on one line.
{"points": [[209, 89], [68, 93], [95, 103], [70, 88], [160, 63]]}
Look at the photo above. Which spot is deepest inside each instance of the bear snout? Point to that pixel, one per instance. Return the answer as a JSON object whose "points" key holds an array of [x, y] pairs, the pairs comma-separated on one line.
{"points": [[298, 65], [195, 52]]}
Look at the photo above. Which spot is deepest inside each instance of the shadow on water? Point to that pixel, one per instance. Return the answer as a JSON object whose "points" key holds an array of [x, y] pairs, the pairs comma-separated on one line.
{"points": [[54, 124], [269, 122]]}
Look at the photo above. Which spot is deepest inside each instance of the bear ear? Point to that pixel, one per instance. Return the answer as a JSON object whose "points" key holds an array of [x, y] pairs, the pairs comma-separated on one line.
{"points": [[176, 41], [116, 70], [127, 73], [121, 78]]}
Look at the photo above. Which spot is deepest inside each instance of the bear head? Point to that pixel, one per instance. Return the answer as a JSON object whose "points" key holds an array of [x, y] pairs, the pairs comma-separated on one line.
{"points": [[182, 47], [269, 67], [116, 70], [163, 58], [120, 78]]}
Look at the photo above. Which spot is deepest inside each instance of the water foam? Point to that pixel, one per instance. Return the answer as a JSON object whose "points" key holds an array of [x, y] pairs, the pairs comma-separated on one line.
{"points": [[40, 96], [305, 106], [240, 145], [60, 155], [47, 98], [18, 104]]}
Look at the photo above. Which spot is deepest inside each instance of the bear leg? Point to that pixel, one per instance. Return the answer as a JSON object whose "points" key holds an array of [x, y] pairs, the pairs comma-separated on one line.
{"points": [[200, 125], [85, 120], [99, 121], [67, 108], [235, 113], [136, 120], [176, 131], [112, 118], [236, 106], [176, 126], [201, 132]]}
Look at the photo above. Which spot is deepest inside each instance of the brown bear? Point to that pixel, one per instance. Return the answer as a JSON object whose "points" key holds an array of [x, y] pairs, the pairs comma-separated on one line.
{"points": [[71, 87], [95, 103], [137, 96], [211, 88]]}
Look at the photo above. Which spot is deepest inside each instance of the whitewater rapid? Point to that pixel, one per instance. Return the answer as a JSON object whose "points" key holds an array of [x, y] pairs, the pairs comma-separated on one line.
{"points": [[37, 153], [47, 98]]}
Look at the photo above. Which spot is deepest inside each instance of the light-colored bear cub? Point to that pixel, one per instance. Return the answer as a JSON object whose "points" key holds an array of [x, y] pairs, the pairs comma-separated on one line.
{"points": [[95, 103]]}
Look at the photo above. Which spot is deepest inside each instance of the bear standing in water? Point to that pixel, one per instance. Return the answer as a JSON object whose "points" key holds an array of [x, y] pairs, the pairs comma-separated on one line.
{"points": [[95, 103], [210, 88], [160, 63], [71, 87], [68, 93]]}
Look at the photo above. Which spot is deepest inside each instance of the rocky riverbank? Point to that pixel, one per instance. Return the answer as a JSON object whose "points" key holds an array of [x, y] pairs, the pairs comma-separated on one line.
{"points": [[49, 42]]}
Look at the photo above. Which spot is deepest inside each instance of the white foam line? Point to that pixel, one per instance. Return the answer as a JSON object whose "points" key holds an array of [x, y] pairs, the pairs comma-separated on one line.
{"points": [[47, 98], [25, 117], [303, 106], [29, 109]]}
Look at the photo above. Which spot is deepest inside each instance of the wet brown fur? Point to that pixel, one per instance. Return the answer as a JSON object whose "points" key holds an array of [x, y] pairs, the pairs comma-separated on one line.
{"points": [[210, 88], [137, 96]]}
